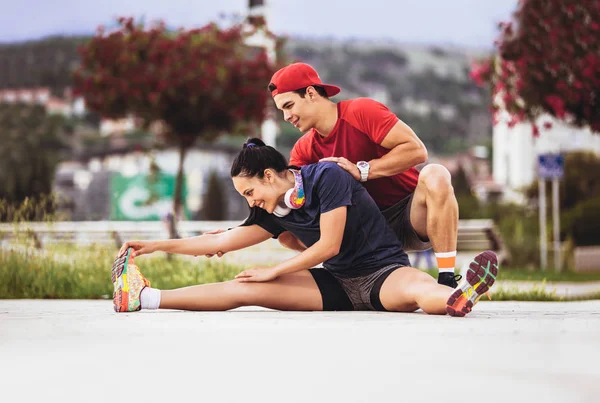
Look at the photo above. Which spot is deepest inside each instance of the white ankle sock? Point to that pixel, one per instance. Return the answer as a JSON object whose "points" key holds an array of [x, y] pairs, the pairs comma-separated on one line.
{"points": [[150, 298]]}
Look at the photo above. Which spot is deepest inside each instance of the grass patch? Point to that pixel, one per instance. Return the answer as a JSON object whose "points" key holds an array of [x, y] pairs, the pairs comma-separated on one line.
{"points": [[85, 274], [537, 294], [548, 275], [63, 272]]}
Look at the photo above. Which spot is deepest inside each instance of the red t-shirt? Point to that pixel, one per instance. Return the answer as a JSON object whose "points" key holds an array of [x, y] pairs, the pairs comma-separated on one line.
{"points": [[357, 135]]}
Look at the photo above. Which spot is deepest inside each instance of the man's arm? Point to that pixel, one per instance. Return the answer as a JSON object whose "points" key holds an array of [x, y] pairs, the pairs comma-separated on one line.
{"points": [[406, 151], [385, 129]]}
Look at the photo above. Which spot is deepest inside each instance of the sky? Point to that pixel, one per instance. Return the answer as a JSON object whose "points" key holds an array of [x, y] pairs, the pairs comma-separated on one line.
{"points": [[465, 23]]}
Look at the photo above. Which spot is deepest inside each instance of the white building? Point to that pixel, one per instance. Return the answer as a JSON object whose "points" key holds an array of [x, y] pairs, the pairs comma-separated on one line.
{"points": [[42, 96], [261, 39], [516, 150], [109, 127]]}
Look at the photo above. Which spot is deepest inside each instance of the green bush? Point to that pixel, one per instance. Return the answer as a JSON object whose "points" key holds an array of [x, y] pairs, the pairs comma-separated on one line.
{"points": [[33, 142], [40, 208], [215, 201], [519, 229], [582, 223]]}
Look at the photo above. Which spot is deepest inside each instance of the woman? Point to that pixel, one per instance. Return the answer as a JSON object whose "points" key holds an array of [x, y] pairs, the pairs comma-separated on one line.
{"points": [[332, 214]]}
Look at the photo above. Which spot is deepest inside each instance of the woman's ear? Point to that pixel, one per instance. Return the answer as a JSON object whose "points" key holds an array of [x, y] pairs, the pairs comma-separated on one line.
{"points": [[269, 175]]}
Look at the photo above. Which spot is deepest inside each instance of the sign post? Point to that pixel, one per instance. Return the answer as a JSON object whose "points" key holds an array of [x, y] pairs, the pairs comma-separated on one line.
{"points": [[550, 166], [543, 240], [556, 222]]}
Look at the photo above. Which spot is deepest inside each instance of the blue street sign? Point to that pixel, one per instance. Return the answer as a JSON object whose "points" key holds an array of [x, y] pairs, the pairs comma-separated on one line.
{"points": [[551, 166]]}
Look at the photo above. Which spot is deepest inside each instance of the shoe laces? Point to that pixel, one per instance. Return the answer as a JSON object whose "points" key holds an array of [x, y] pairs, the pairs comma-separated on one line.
{"points": [[458, 277]]}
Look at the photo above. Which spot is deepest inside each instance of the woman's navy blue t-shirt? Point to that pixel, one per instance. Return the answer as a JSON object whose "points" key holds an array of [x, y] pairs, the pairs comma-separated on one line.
{"points": [[368, 244]]}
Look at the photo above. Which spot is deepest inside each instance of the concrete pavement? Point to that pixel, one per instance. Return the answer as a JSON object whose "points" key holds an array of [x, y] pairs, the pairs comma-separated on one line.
{"points": [[81, 351]]}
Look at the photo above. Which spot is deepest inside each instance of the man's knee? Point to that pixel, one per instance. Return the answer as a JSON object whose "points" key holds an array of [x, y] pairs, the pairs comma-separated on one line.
{"points": [[436, 179]]}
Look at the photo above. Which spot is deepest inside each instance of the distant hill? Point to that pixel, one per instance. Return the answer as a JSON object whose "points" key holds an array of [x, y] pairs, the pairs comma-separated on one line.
{"points": [[42, 63], [426, 86]]}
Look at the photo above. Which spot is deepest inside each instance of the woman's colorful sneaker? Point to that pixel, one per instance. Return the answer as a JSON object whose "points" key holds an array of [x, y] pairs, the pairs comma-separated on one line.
{"points": [[128, 284]]}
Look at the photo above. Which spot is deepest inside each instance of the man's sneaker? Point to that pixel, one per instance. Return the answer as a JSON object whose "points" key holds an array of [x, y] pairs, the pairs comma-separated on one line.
{"points": [[128, 284], [449, 279], [478, 280]]}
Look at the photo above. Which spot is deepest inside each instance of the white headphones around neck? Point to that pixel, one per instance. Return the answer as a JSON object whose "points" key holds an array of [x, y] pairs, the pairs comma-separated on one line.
{"points": [[293, 199]]}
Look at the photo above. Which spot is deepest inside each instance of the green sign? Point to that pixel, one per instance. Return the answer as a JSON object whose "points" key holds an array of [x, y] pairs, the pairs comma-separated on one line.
{"points": [[141, 198]]}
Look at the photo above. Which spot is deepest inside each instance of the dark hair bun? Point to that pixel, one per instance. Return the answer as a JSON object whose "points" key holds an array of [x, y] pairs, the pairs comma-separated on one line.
{"points": [[254, 142]]}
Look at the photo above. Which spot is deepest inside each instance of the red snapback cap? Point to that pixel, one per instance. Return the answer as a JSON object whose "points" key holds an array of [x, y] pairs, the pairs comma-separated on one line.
{"points": [[299, 75]]}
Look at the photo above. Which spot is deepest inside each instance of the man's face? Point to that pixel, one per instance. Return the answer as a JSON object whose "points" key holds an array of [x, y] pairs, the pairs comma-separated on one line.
{"points": [[301, 112]]}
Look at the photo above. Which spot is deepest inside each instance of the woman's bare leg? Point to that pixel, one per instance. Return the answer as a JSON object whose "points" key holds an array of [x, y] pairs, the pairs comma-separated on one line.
{"points": [[408, 289], [291, 292]]}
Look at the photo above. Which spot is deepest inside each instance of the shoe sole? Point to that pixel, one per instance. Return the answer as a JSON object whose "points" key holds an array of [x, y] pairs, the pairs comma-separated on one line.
{"points": [[480, 277], [119, 280]]}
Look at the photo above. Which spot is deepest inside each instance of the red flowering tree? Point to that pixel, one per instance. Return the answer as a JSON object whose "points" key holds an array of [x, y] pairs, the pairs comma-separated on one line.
{"points": [[548, 61], [195, 83]]}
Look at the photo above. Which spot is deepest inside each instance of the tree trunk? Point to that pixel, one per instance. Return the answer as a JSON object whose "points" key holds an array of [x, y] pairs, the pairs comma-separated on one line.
{"points": [[177, 200]]}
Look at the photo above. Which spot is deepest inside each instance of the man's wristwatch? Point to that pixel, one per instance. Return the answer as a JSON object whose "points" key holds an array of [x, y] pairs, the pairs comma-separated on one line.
{"points": [[363, 167]]}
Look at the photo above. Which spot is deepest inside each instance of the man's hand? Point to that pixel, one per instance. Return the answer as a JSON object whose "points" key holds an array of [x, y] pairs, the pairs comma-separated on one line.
{"points": [[257, 274], [139, 248], [344, 163], [214, 232]]}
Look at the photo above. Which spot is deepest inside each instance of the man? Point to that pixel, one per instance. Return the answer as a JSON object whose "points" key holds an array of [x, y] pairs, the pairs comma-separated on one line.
{"points": [[366, 139]]}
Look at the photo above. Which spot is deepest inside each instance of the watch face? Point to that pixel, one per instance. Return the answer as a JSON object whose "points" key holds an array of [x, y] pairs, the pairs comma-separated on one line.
{"points": [[362, 164]]}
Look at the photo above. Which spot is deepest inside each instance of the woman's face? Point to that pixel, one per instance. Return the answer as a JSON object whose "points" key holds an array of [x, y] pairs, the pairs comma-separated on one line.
{"points": [[264, 193]]}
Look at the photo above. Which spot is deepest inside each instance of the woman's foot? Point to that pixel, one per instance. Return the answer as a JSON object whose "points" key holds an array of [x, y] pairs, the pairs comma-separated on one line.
{"points": [[128, 284], [479, 279]]}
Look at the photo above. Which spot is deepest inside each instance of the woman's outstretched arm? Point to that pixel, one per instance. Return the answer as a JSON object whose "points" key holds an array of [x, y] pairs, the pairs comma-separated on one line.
{"points": [[235, 239]]}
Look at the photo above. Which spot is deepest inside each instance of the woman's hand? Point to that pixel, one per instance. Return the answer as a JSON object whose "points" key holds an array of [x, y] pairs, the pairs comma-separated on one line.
{"points": [[139, 248], [257, 274]]}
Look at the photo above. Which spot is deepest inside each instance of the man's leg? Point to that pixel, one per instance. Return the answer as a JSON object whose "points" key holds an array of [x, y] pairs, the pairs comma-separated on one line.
{"points": [[434, 215], [407, 289]]}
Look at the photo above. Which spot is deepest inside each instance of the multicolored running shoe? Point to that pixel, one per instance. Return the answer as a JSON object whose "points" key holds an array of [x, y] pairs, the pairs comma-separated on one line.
{"points": [[478, 280], [128, 284]]}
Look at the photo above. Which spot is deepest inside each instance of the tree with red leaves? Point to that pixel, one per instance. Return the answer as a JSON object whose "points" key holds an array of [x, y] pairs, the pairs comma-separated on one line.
{"points": [[195, 83], [548, 62]]}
